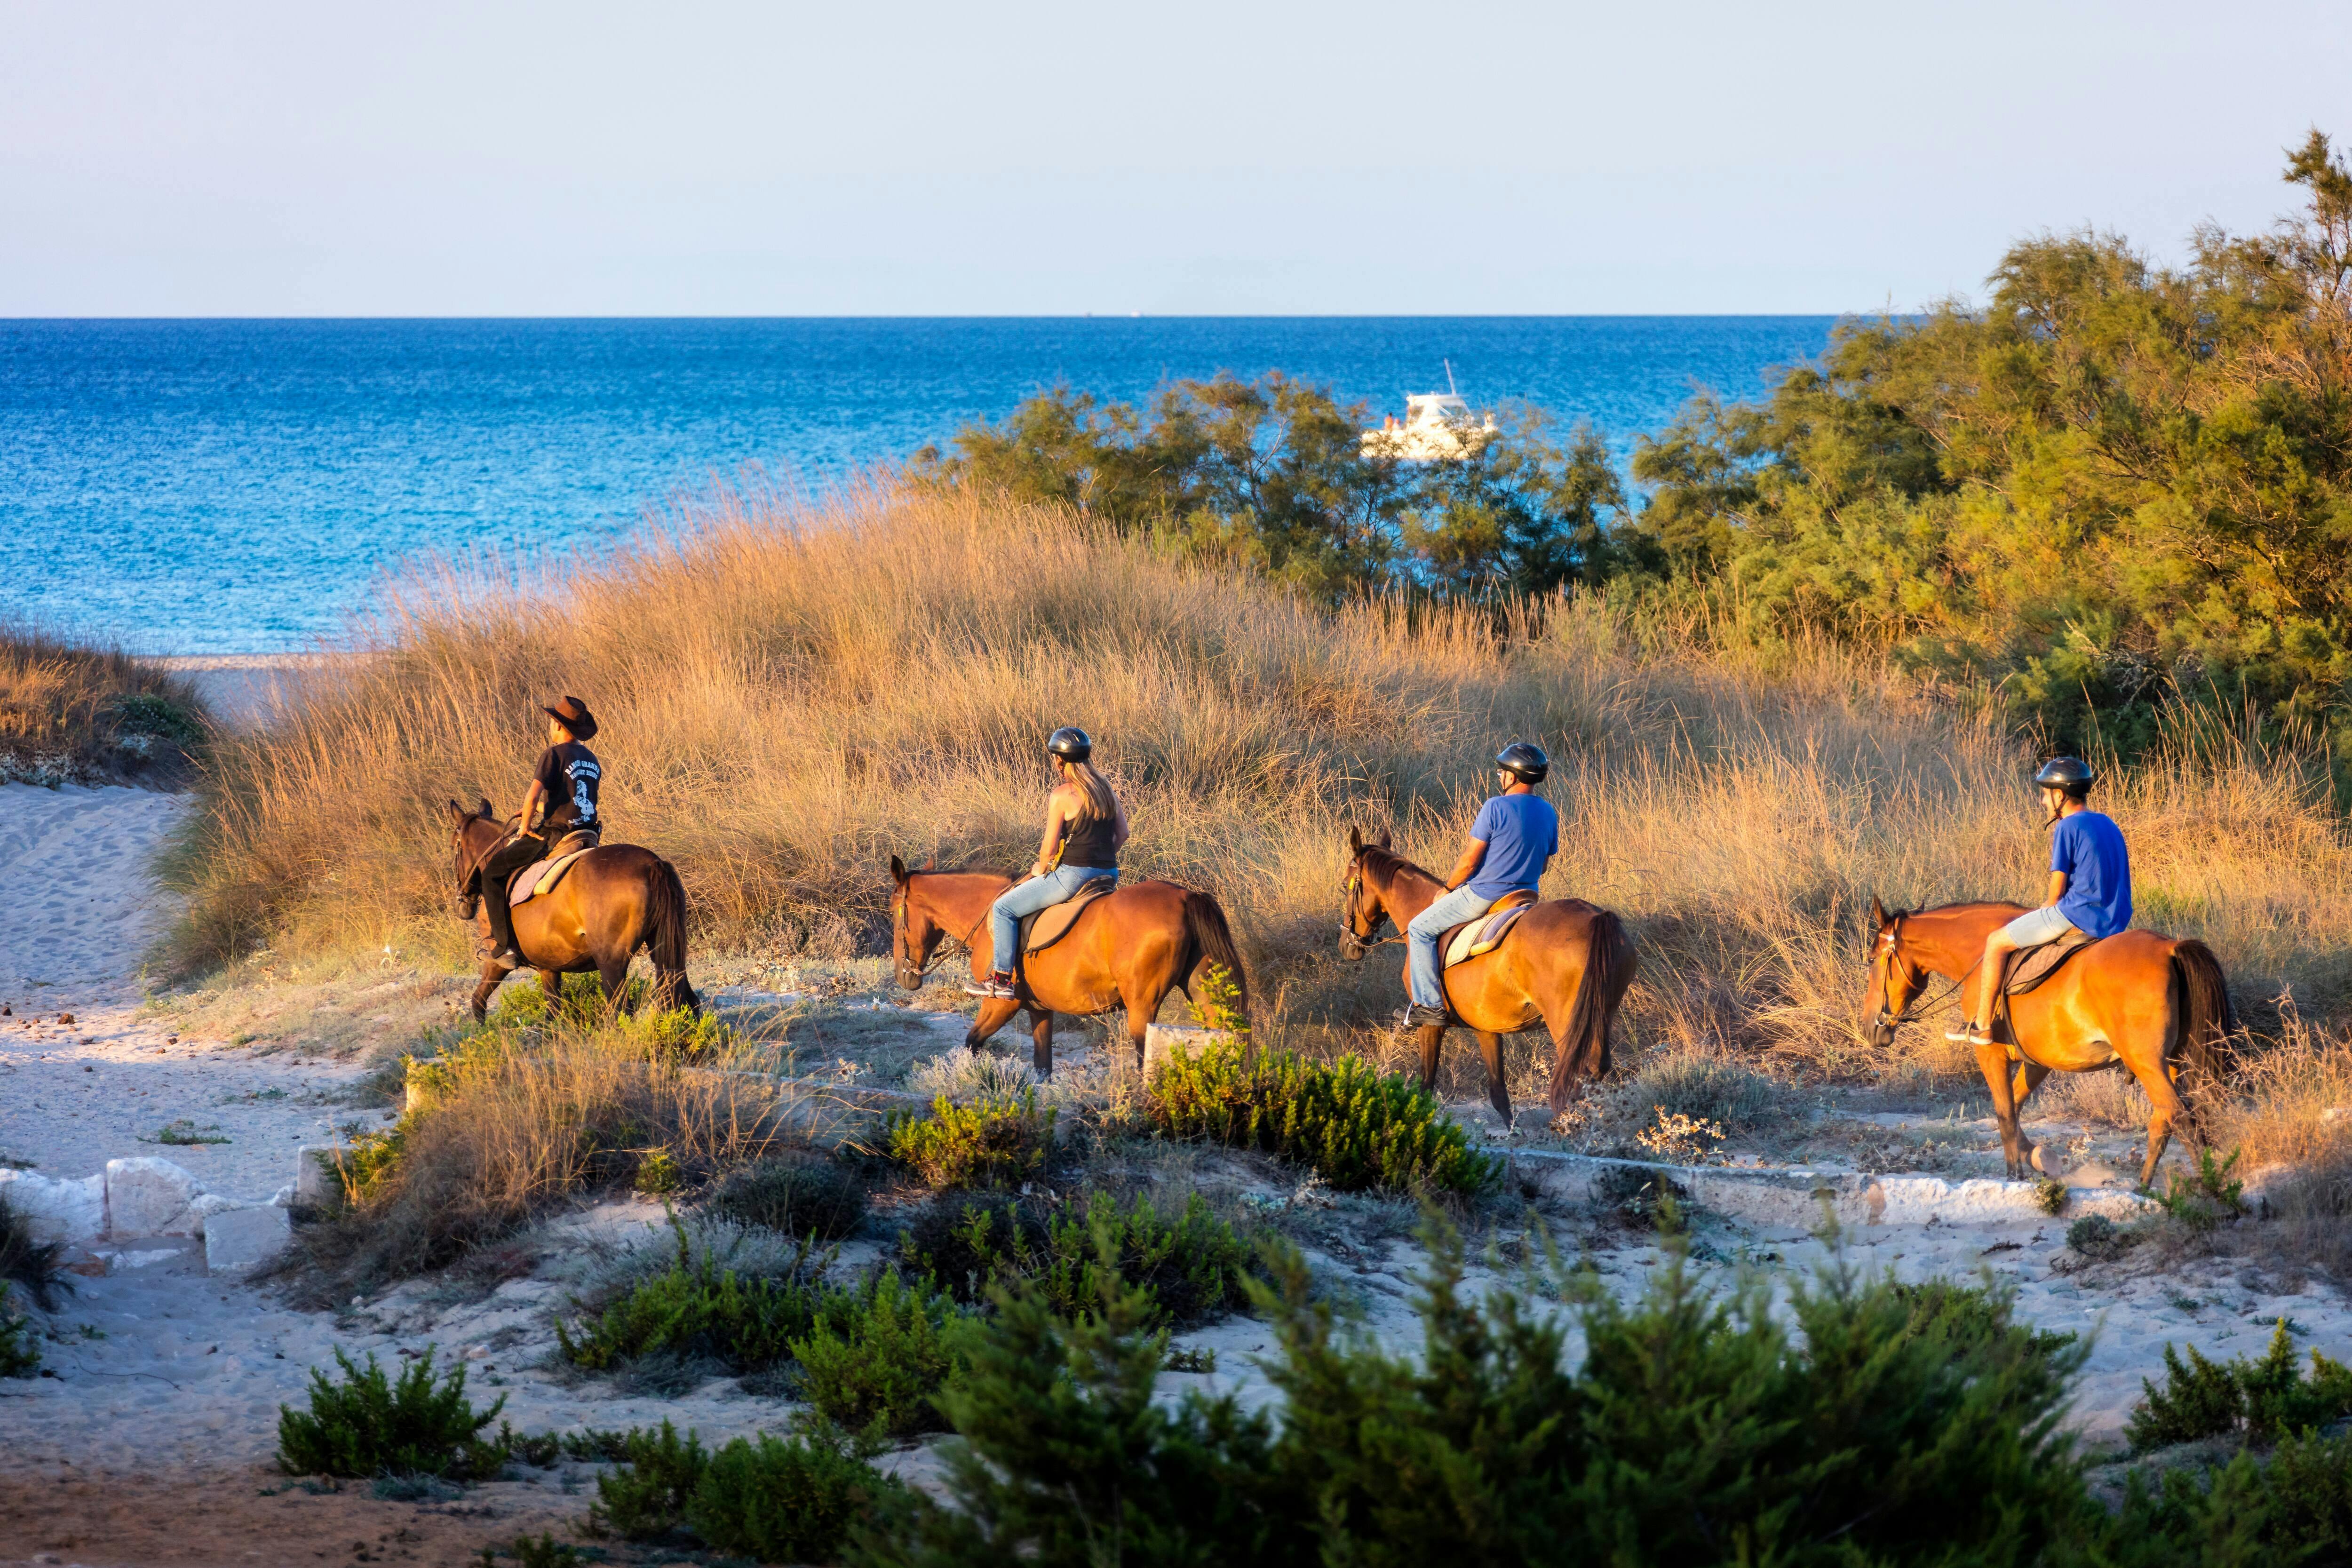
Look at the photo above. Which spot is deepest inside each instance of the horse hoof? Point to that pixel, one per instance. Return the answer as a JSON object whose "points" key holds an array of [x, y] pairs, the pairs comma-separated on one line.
{"points": [[2036, 1158]]}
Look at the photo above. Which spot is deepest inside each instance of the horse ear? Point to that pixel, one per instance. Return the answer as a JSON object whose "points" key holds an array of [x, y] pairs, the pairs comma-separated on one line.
{"points": [[457, 814], [897, 871], [1877, 914], [1381, 837], [931, 863], [1355, 841], [488, 815]]}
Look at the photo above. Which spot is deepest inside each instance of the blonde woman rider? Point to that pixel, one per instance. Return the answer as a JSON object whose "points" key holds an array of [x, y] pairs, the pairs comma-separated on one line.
{"points": [[1085, 827]]}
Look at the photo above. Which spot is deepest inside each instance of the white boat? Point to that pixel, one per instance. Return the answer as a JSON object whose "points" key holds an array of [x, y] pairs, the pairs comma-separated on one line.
{"points": [[1437, 428]]}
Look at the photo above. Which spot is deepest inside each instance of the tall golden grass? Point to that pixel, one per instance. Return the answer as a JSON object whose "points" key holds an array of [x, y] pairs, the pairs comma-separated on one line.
{"points": [[791, 695], [71, 712]]}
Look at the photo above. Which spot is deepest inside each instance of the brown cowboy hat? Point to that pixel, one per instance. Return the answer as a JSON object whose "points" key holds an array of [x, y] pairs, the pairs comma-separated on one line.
{"points": [[573, 715]]}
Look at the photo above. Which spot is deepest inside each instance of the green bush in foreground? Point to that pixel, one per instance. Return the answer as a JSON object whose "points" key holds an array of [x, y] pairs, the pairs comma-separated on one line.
{"points": [[786, 1500], [697, 1308], [1356, 1127], [20, 1340], [2264, 1400], [646, 1500], [27, 1261], [799, 1194], [995, 1143], [368, 1425], [1191, 1266], [878, 1356]]}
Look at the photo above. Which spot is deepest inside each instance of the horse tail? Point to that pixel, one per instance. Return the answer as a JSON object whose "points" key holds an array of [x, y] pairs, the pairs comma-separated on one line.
{"points": [[666, 938], [1609, 965], [1208, 939], [2202, 1010]]}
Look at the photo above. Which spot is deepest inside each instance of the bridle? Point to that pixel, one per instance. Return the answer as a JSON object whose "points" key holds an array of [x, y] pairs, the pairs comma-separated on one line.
{"points": [[1921, 1005], [473, 868], [1349, 887], [949, 942]]}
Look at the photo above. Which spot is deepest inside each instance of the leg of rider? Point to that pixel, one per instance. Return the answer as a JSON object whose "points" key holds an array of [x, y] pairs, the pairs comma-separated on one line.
{"points": [[1424, 933], [500, 864], [1996, 948], [1025, 899]]}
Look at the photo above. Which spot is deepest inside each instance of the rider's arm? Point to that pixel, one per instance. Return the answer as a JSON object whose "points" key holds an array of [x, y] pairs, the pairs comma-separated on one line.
{"points": [[1466, 868], [1118, 824], [2057, 889], [530, 798], [1058, 816]]}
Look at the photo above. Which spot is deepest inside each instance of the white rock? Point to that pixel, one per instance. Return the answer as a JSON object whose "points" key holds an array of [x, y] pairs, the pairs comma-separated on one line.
{"points": [[282, 1196], [317, 1183], [237, 1241], [147, 1196], [210, 1203], [59, 1209]]}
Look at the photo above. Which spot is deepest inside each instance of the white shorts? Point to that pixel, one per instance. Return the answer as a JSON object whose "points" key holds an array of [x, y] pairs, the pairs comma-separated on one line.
{"points": [[2035, 927]]}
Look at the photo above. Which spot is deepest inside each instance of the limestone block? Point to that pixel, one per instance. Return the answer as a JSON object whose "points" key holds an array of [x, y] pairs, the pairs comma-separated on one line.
{"points": [[317, 1184], [59, 1209], [240, 1240], [148, 1196]]}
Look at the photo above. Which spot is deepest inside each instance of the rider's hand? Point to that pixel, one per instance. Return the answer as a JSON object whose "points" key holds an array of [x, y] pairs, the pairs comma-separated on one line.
{"points": [[1038, 869]]}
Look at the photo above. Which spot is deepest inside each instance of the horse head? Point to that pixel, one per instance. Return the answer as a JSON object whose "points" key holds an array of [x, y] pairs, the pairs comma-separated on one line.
{"points": [[468, 844], [915, 930], [1362, 909], [1895, 980]]}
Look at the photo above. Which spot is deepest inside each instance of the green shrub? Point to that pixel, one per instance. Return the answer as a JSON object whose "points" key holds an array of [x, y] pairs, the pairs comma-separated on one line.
{"points": [[993, 1142], [36, 1266], [2210, 1197], [647, 1500], [20, 1340], [1191, 1267], [2248, 1513], [1068, 1462], [1356, 1126], [2264, 1400], [658, 1173], [878, 1356], [368, 1425], [696, 1308], [803, 1195], [540, 1551], [786, 1500], [2101, 1239]]}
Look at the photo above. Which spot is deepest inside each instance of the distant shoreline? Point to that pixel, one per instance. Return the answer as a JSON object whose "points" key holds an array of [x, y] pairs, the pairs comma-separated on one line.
{"points": [[244, 690]]}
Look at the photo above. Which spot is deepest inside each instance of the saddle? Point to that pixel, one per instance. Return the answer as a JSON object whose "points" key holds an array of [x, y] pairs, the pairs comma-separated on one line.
{"points": [[1485, 934], [1052, 923], [2027, 970], [540, 876]]}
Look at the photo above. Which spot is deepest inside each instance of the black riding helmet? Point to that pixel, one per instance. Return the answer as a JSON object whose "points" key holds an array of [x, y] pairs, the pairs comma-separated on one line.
{"points": [[2072, 775], [1526, 761], [1069, 743]]}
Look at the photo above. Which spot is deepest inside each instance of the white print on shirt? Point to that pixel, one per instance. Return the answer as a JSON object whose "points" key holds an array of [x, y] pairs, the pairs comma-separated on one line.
{"points": [[584, 806]]}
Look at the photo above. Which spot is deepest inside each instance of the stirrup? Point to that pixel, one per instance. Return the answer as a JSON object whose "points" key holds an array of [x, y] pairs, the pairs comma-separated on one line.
{"points": [[508, 958], [1969, 1036]]}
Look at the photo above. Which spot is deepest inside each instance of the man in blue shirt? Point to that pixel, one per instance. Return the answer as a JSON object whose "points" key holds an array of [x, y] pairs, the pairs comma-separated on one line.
{"points": [[2090, 885], [1516, 832]]}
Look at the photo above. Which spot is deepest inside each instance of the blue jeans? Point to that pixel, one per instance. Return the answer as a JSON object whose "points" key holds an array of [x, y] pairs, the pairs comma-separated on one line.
{"points": [[1429, 927], [1024, 898]]}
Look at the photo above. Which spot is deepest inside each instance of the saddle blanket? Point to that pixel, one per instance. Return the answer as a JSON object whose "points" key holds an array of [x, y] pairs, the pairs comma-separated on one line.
{"points": [[538, 877], [1052, 923], [1485, 934], [2036, 965]]}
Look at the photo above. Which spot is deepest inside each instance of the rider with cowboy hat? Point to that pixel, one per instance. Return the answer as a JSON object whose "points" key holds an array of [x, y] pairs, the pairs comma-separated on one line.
{"points": [[1516, 835], [2090, 885], [563, 784], [1085, 827]]}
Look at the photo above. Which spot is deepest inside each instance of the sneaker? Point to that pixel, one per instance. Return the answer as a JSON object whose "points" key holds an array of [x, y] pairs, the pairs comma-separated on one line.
{"points": [[998, 987], [507, 958], [1420, 1017]]}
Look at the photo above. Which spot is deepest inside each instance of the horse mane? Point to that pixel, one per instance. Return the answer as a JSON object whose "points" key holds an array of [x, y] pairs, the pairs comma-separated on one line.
{"points": [[1392, 862]]}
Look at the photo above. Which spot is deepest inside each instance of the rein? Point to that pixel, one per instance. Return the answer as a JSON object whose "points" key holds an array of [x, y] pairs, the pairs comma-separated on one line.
{"points": [[949, 942], [1920, 1005], [1348, 891]]}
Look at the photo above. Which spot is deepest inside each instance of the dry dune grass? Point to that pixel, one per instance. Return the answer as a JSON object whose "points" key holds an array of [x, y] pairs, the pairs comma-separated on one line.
{"points": [[789, 697], [71, 712]]}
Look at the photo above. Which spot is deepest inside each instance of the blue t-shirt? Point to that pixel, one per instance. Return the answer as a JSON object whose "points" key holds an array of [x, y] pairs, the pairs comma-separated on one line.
{"points": [[2089, 847], [1520, 832]]}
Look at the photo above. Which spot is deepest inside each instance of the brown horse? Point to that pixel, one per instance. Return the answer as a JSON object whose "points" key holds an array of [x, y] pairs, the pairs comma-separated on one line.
{"points": [[2158, 1007], [1566, 965], [1131, 947], [615, 899]]}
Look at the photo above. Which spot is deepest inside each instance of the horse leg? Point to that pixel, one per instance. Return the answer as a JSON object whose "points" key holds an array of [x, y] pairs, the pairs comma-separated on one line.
{"points": [[493, 974], [2029, 1079], [1432, 1036], [1041, 1035], [995, 1014], [2164, 1108], [614, 974], [1498, 1093], [1992, 1060]]}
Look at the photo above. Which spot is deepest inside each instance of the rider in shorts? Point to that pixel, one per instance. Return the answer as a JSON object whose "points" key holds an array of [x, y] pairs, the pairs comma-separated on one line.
{"points": [[2090, 886]]}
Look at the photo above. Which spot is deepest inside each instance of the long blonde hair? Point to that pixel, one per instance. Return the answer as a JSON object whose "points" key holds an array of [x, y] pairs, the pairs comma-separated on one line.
{"points": [[1101, 804]]}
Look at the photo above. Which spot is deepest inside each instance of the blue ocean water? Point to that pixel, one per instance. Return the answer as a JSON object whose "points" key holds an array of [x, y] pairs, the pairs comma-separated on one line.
{"points": [[198, 486]]}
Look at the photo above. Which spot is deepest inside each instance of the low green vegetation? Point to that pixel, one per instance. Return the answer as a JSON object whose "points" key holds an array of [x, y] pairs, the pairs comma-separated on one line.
{"points": [[2263, 1400], [995, 1141], [32, 1264], [366, 1423], [697, 1308], [1190, 1265], [1353, 1125], [798, 1193], [880, 1355], [2210, 1197], [789, 1499], [20, 1339]]}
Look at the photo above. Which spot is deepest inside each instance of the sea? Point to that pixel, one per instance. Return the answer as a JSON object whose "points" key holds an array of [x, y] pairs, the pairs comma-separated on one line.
{"points": [[245, 487]]}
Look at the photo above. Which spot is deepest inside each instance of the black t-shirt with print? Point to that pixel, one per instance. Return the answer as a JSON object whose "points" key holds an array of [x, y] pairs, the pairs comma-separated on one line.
{"points": [[568, 775]]}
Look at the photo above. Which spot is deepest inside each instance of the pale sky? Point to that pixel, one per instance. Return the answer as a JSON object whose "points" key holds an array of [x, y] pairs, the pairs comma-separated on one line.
{"points": [[1206, 157]]}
